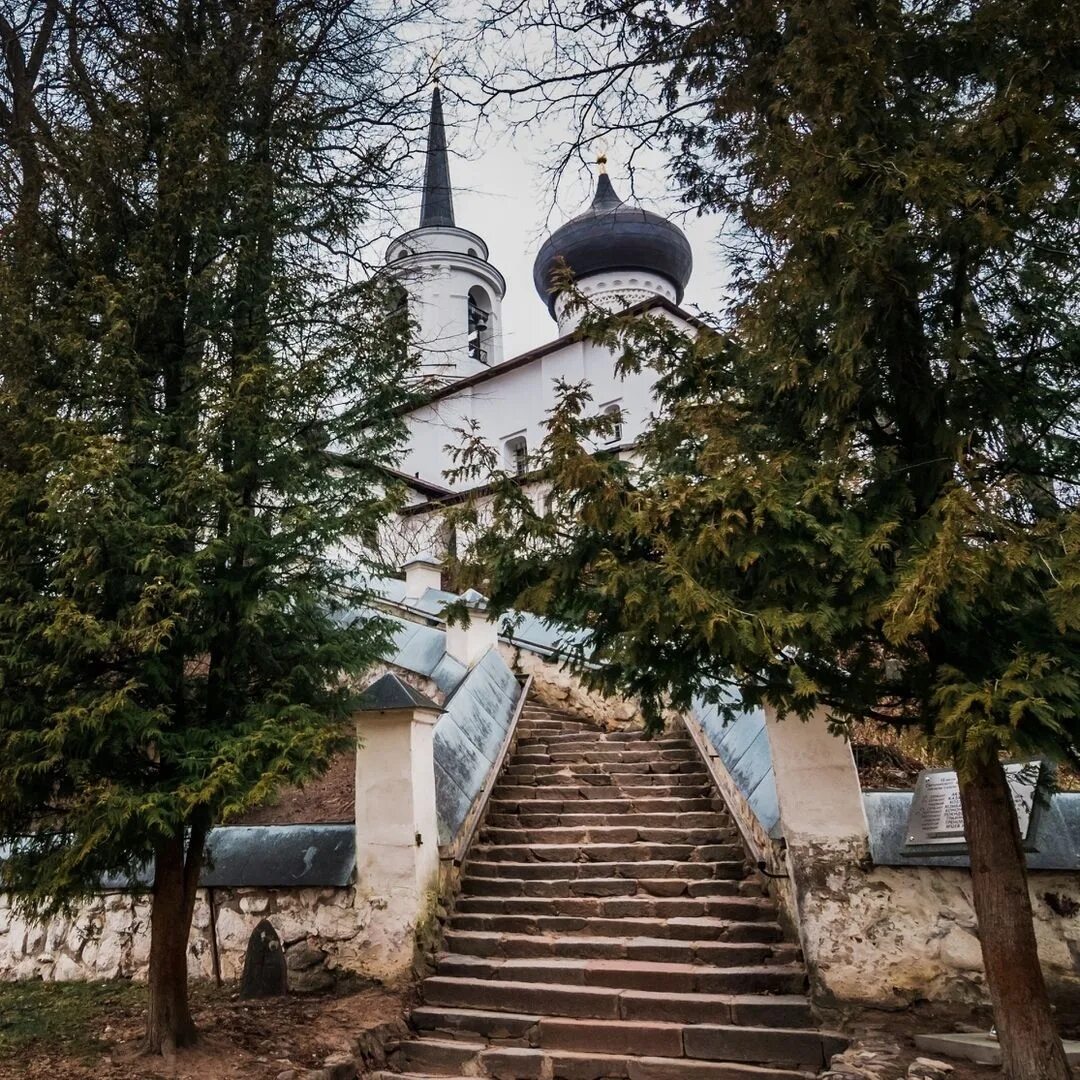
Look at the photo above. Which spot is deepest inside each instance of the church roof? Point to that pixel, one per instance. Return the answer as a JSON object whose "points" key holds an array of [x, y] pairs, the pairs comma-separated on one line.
{"points": [[437, 204], [609, 236], [522, 359], [391, 692]]}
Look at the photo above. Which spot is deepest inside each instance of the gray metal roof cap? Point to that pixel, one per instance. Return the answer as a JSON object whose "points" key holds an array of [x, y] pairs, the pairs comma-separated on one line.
{"points": [[611, 236], [425, 558], [474, 601], [389, 692]]}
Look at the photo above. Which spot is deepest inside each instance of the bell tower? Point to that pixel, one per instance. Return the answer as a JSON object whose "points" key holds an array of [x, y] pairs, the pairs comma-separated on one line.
{"points": [[454, 293]]}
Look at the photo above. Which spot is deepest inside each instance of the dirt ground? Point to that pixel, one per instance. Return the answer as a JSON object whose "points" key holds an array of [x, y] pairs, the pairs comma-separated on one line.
{"points": [[886, 1038], [92, 1031], [255, 1040], [330, 797]]}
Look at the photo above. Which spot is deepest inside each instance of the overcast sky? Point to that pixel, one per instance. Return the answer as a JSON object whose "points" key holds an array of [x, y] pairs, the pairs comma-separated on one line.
{"points": [[501, 192]]}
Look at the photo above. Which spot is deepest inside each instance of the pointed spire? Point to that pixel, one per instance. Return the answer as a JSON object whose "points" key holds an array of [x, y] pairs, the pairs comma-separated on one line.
{"points": [[437, 207], [605, 197]]}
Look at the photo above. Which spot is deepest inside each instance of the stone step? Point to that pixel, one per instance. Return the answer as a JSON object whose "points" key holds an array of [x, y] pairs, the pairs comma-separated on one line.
{"points": [[525, 750], [706, 1042], [601, 886], [739, 908], [533, 725], [731, 869], [628, 974], [587, 791], [562, 787], [607, 774], [716, 953], [582, 852], [529, 1063], [699, 819], [607, 834], [612, 1003], [622, 735], [743, 1010], [437, 1057], [609, 802], [519, 770], [677, 929], [621, 753]]}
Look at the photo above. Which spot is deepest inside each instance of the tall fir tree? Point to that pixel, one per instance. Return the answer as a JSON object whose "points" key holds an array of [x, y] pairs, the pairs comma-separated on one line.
{"points": [[188, 345], [860, 491]]}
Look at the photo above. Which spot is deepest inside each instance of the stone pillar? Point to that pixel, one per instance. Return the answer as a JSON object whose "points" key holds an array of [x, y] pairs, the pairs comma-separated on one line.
{"points": [[397, 829], [469, 643], [422, 572], [826, 832]]}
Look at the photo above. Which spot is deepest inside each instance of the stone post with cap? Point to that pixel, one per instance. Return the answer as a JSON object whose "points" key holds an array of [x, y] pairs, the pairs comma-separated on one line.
{"points": [[397, 829], [422, 572], [469, 642]]}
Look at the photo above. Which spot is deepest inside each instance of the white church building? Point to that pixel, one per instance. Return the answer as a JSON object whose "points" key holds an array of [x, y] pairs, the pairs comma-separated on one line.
{"points": [[620, 255]]}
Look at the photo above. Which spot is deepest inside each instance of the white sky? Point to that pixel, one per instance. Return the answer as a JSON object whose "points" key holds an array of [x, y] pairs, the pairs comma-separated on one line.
{"points": [[502, 193]]}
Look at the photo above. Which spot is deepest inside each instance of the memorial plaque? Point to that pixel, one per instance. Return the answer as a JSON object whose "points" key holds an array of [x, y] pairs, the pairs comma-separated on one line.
{"points": [[936, 819]]}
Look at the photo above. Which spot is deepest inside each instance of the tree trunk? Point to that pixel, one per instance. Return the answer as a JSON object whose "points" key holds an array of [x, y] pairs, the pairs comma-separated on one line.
{"points": [[169, 1025], [1030, 1045]]}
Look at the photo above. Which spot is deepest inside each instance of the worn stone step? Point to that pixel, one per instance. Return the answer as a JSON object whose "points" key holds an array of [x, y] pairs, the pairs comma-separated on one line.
{"points": [[587, 852], [716, 953], [605, 775], [521, 1063], [702, 819], [620, 735], [607, 834], [607, 791], [532, 1063], [760, 1011], [583, 745], [530, 726], [623, 770], [629, 974], [437, 1057], [382, 1075], [612, 1003], [708, 1042], [743, 908], [731, 869], [611, 803], [600, 886], [620, 754], [677, 928]]}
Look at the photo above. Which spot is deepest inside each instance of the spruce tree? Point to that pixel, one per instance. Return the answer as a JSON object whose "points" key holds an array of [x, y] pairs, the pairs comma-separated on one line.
{"points": [[860, 491], [189, 349]]}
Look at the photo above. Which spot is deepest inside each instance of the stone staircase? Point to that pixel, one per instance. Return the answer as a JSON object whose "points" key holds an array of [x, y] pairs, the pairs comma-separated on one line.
{"points": [[608, 926]]}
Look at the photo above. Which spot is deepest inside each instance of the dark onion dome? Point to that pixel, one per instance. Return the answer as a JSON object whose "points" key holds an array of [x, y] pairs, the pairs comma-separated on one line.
{"points": [[611, 236]]}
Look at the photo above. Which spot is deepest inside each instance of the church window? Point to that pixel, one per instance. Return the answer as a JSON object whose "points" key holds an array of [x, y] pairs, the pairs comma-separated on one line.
{"points": [[615, 434], [517, 455], [480, 328]]}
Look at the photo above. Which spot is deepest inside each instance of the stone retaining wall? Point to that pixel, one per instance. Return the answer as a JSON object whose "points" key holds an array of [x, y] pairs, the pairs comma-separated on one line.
{"points": [[324, 931], [890, 936], [562, 689]]}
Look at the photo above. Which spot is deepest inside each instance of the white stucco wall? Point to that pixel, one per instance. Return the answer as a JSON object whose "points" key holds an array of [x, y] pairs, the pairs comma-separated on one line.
{"points": [[517, 400]]}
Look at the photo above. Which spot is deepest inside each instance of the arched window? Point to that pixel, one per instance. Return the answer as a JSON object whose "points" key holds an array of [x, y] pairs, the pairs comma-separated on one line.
{"points": [[480, 325], [615, 434], [516, 455]]}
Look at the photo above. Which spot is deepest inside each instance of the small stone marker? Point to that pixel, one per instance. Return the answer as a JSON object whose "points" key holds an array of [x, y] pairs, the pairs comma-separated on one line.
{"points": [[982, 1049], [264, 964]]}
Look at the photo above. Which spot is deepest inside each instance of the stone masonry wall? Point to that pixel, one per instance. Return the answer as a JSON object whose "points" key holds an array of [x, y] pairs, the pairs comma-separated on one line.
{"points": [[561, 689], [323, 930], [889, 936]]}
